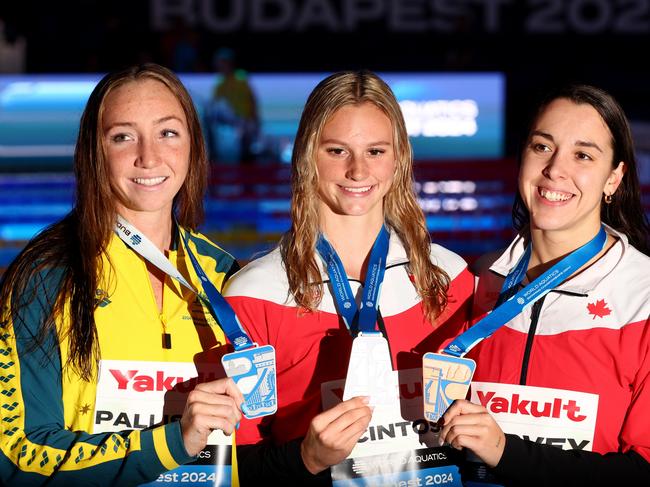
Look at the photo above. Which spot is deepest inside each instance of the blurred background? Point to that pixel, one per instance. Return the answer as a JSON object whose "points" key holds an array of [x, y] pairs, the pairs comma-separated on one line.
{"points": [[467, 74]]}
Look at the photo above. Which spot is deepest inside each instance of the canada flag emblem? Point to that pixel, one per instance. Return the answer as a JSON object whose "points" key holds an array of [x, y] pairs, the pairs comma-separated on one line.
{"points": [[598, 309]]}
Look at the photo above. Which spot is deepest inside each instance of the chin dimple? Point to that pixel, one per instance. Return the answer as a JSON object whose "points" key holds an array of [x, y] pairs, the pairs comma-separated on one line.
{"points": [[149, 181]]}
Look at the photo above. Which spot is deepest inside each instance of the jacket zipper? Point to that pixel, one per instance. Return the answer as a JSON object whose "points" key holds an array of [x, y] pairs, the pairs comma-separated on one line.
{"points": [[534, 318]]}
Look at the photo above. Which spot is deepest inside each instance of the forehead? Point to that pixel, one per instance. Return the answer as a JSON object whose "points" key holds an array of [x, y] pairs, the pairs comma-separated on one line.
{"points": [[565, 119], [366, 113], [140, 98]]}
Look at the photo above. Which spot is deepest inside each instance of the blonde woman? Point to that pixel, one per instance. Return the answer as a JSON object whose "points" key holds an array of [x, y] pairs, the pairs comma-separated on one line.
{"points": [[352, 182]]}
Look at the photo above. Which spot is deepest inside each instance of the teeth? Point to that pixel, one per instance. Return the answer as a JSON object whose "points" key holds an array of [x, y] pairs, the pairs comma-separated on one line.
{"points": [[554, 196], [358, 190], [149, 181]]}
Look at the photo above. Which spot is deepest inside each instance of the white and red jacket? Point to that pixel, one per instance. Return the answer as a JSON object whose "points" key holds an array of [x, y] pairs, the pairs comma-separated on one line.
{"points": [[591, 334], [312, 348]]}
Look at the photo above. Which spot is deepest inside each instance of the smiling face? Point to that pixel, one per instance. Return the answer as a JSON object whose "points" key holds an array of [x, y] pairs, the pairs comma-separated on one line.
{"points": [[147, 145], [355, 160], [566, 168]]}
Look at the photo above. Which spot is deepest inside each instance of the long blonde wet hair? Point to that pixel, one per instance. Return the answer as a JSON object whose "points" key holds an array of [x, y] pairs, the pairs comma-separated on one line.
{"points": [[401, 210]]}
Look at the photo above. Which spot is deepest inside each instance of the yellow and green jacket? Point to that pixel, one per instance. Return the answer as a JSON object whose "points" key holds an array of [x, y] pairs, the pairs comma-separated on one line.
{"points": [[48, 412]]}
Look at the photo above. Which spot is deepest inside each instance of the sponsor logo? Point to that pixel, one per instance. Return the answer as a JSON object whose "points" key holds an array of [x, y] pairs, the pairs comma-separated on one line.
{"points": [[514, 404], [136, 239], [134, 381], [375, 465]]}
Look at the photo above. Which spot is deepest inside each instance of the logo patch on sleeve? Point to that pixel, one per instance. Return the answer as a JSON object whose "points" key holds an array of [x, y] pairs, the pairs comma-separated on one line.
{"points": [[598, 309]]}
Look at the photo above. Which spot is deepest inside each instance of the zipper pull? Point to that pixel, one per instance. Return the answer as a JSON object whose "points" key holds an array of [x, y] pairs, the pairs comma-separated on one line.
{"points": [[166, 337]]}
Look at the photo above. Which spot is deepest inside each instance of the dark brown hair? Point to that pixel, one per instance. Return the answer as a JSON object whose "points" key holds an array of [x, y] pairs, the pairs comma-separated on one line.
{"points": [[625, 212]]}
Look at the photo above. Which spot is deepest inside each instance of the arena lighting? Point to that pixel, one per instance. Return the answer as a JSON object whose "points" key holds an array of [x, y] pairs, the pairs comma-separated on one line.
{"points": [[448, 205], [440, 118], [445, 187], [449, 116]]}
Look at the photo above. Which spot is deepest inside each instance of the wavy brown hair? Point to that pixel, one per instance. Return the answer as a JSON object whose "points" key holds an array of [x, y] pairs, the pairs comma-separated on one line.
{"points": [[68, 253], [625, 213], [401, 210]]}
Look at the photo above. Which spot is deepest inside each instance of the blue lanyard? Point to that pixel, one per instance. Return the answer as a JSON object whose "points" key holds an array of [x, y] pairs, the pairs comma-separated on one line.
{"points": [[510, 304], [343, 296], [214, 301], [217, 304]]}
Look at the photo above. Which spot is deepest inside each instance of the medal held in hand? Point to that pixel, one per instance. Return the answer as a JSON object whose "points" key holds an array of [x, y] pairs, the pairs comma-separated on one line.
{"points": [[445, 378], [447, 375], [253, 371], [370, 362], [370, 371]]}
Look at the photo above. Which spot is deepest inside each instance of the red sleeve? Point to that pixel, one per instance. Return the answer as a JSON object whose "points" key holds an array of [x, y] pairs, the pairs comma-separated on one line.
{"points": [[636, 428]]}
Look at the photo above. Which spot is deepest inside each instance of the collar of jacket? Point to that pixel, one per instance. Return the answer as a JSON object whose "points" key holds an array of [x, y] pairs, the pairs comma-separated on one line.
{"points": [[584, 282], [396, 254]]}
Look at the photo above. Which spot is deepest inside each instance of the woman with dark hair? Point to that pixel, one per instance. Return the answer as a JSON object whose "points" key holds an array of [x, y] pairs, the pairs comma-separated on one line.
{"points": [[97, 340], [571, 369], [352, 186]]}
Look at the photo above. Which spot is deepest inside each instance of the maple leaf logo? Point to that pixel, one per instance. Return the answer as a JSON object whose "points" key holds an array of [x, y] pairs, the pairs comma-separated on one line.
{"points": [[599, 308]]}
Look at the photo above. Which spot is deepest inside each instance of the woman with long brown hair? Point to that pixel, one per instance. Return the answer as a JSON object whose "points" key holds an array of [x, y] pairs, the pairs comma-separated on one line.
{"points": [[91, 322], [352, 186]]}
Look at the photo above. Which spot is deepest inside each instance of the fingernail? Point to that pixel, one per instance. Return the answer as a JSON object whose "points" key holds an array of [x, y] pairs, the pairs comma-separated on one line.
{"points": [[365, 399], [237, 425]]}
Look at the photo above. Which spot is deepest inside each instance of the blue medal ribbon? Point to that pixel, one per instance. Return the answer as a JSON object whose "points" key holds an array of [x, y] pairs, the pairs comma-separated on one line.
{"points": [[343, 295], [511, 303], [219, 307], [214, 301]]}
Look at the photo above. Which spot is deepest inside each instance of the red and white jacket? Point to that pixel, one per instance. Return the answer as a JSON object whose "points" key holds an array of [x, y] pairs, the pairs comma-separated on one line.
{"points": [[591, 334], [312, 348]]}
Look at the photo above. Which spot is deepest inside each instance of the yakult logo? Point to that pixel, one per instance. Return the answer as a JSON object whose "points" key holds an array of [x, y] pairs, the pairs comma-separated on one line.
{"points": [[514, 404], [133, 380]]}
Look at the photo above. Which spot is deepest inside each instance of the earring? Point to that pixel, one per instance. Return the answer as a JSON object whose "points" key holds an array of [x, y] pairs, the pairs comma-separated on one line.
{"points": [[608, 199]]}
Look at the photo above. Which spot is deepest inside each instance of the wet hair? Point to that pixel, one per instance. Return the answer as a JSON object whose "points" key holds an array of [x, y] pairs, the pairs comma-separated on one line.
{"points": [[401, 210], [69, 252]]}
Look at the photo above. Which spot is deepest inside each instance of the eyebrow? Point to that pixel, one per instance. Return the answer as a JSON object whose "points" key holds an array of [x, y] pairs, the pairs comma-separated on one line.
{"points": [[339, 142], [579, 143], [156, 122]]}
